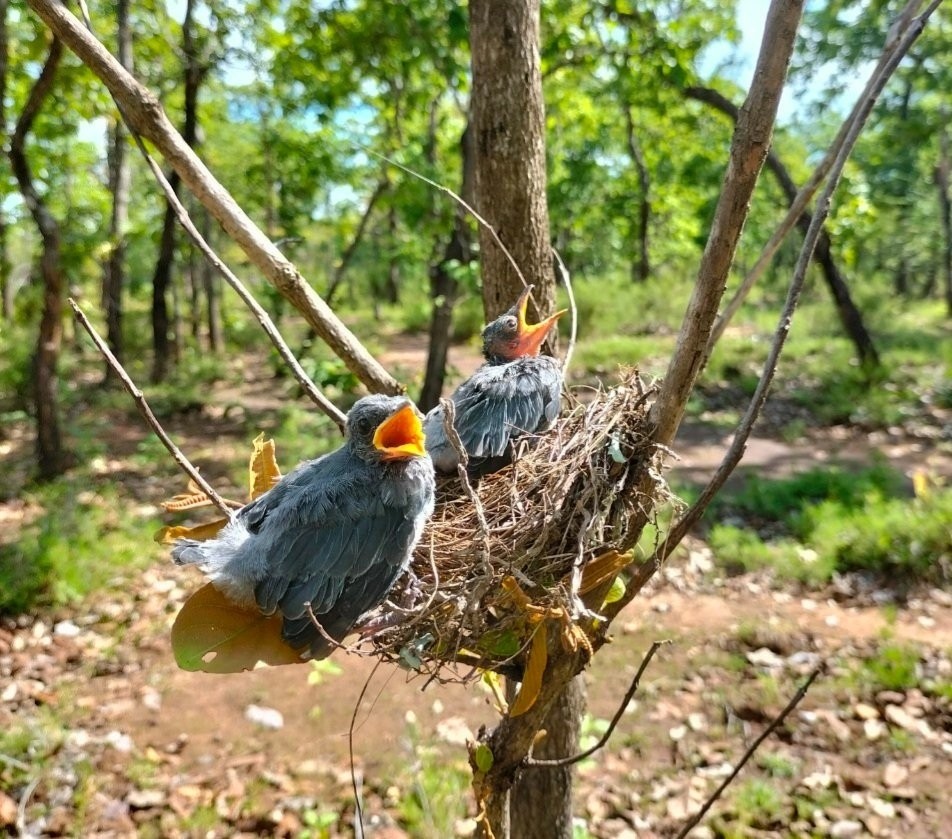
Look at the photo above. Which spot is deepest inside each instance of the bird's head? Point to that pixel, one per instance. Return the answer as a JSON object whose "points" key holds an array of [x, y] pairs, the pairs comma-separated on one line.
{"points": [[385, 428], [511, 336]]}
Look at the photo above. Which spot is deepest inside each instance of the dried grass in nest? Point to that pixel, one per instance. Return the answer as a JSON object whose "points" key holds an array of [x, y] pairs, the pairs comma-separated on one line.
{"points": [[565, 499]]}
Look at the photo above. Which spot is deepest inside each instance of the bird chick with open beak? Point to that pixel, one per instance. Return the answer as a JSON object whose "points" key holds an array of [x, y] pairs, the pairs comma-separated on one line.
{"points": [[514, 395], [336, 532]]}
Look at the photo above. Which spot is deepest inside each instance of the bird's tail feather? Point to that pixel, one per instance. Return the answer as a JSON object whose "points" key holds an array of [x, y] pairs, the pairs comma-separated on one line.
{"points": [[187, 552]]}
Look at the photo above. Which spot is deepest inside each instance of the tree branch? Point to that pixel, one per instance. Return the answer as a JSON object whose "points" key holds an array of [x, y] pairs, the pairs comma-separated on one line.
{"points": [[778, 720], [739, 444], [635, 682], [799, 204], [749, 148], [147, 117]]}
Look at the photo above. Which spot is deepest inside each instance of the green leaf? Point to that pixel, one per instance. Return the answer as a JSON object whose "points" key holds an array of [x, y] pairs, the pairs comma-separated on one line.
{"points": [[483, 757]]}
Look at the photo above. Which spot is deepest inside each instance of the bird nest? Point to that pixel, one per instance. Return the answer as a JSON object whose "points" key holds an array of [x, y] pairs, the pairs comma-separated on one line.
{"points": [[570, 496]]}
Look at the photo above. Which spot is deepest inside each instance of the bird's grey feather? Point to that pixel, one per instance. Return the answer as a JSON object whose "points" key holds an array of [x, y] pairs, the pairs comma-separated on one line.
{"points": [[495, 408], [335, 533]]}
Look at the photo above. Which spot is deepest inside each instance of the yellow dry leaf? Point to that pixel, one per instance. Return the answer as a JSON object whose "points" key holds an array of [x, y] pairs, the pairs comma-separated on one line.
{"points": [[921, 484], [263, 471], [602, 569], [200, 532], [532, 677], [215, 635], [186, 502]]}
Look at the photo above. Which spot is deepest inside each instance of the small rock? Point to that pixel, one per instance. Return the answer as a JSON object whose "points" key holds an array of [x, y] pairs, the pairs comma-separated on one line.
{"points": [[66, 629], [677, 733], [8, 810], [119, 741], [890, 697], [865, 712], [144, 799], [265, 717], [764, 658], [845, 828], [882, 808], [696, 721], [874, 729], [894, 774]]}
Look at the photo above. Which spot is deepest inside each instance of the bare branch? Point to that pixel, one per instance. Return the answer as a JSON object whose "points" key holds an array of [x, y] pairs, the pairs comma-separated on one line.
{"points": [[694, 820], [806, 192], [382, 185], [147, 414], [147, 117], [635, 682], [748, 150]]}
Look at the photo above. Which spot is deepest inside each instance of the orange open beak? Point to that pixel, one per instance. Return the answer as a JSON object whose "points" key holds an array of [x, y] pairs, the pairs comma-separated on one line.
{"points": [[401, 435], [532, 335]]}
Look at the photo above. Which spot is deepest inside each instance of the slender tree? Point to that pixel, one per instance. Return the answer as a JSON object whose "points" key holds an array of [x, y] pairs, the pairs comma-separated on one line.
{"points": [[119, 184], [508, 125], [52, 458]]}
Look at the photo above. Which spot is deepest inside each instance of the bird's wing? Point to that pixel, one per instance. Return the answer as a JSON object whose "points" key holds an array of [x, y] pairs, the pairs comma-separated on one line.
{"points": [[500, 403]]}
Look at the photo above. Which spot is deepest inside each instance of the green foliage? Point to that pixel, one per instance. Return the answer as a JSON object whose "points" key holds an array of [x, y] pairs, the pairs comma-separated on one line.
{"points": [[894, 667], [823, 521], [79, 541], [436, 789], [758, 803]]}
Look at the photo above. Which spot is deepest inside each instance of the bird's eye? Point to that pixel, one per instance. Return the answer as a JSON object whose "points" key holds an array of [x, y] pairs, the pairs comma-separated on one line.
{"points": [[511, 323], [362, 426]]}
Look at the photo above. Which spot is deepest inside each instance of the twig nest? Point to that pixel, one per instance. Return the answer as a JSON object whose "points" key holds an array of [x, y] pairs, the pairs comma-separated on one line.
{"points": [[568, 497]]}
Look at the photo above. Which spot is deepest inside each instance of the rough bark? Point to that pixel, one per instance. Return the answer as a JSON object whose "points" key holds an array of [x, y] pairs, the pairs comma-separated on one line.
{"points": [[212, 288], [444, 287], [850, 317], [120, 179], [52, 459], [540, 801], [146, 116], [508, 123]]}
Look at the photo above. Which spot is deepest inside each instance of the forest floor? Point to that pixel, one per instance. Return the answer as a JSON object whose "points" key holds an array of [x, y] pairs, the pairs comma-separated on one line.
{"points": [[102, 735]]}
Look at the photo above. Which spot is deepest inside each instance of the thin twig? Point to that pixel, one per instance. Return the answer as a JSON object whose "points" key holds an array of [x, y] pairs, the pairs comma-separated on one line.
{"points": [[16, 764], [24, 803], [635, 682], [695, 819], [489, 228], [573, 309], [311, 389], [147, 414], [358, 810]]}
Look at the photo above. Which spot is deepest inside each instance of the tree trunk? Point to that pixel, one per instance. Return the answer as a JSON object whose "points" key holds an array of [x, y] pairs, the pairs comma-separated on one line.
{"points": [[849, 314], [943, 176], [212, 286], [195, 71], [640, 267], [119, 185], [6, 281], [508, 125], [444, 287], [508, 122], [341, 268], [391, 286], [52, 459], [540, 802]]}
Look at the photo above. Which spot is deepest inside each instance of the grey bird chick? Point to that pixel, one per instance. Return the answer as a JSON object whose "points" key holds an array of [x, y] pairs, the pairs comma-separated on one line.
{"points": [[336, 532], [515, 394]]}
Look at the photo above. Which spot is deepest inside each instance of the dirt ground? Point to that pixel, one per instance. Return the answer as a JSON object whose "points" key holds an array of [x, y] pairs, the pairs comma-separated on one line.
{"points": [[119, 742]]}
